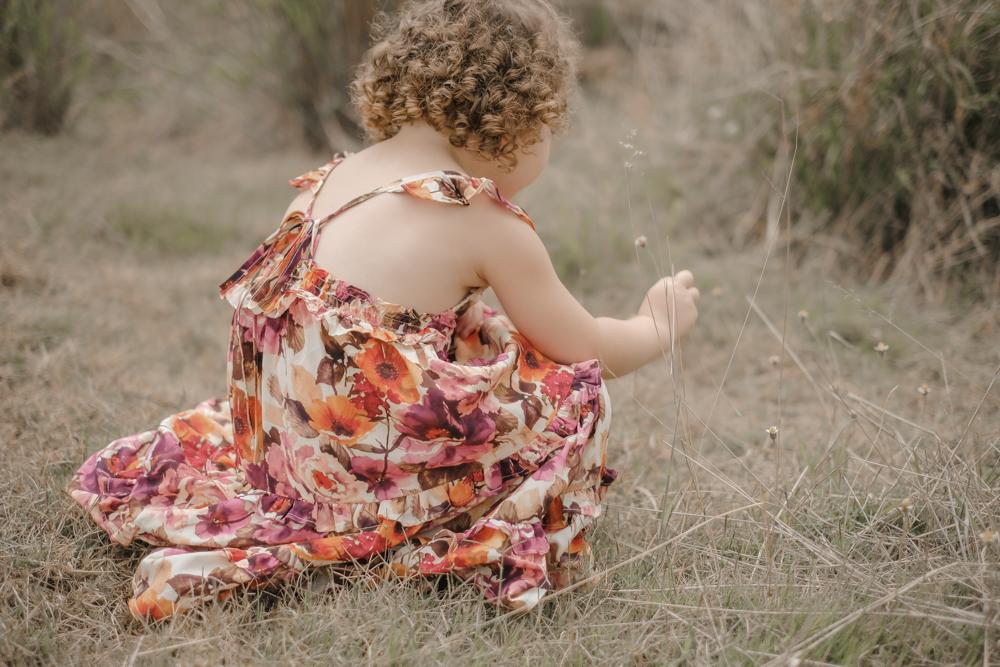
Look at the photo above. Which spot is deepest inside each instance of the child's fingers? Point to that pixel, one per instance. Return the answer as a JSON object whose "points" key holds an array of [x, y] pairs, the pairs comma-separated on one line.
{"points": [[695, 294], [685, 278]]}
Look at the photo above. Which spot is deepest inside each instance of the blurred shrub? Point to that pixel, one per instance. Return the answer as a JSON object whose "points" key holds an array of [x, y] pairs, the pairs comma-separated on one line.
{"points": [[595, 24], [316, 46], [41, 63], [899, 142]]}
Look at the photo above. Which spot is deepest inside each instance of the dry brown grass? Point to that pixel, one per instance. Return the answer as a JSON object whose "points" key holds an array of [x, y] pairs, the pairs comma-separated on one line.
{"points": [[864, 532]]}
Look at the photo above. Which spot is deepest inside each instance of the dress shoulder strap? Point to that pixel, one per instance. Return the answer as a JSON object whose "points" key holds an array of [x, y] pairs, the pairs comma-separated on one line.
{"points": [[442, 185], [314, 178], [261, 281], [455, 187]]}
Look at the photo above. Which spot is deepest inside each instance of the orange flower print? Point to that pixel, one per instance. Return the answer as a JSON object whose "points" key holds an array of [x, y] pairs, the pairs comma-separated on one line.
{"points": [[246, 418], [339, 417], [201, 439], [333, 481], [389, 371], [462, 493], [533, 366], [155, 600]]}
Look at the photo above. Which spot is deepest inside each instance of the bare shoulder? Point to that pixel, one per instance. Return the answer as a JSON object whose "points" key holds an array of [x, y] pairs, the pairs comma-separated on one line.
{"points": [[298, 203], [500, 238]]}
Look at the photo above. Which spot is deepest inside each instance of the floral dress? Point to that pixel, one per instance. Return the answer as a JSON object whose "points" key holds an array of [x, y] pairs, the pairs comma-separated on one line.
{"points": [[359, 430]]}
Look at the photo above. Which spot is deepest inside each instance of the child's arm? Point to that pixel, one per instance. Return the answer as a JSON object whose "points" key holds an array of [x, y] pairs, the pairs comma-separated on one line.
{"points": [[516, 265]]}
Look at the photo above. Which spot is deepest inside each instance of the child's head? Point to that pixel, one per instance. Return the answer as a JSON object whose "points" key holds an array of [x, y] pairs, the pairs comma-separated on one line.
{"points": [[490, 74]]}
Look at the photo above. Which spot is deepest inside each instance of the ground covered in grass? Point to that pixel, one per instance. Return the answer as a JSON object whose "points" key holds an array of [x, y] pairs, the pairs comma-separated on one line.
{"points": [[863, 531]]}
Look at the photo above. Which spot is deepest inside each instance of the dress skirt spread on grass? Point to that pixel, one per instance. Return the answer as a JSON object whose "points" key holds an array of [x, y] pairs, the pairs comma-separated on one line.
{"points": [[353, 428]]}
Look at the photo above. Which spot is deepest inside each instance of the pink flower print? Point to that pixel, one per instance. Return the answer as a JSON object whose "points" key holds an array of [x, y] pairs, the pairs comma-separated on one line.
{"points": [[563, 426], [347, 292], [282, 532], [555, 465], [444, 322], [493, 476], [441, 454], [266, 331], [299, 310], [333, 481], [223, 518], [416, 452], [457, 383], [262, 563]]}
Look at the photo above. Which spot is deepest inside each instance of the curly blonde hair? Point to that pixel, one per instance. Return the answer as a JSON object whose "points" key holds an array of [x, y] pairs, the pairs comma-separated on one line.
{"points": [[490, 73]]}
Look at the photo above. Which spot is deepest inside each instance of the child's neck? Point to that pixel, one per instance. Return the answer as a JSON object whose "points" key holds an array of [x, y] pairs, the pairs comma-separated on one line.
{"points": [[432, 148]]}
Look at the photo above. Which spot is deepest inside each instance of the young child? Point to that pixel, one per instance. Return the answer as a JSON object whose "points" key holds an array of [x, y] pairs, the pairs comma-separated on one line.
{"points": [[377, 409]]}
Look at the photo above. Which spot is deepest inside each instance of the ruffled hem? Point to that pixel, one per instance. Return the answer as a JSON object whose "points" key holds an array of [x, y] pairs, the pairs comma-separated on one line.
{"points": [[168, 489]]}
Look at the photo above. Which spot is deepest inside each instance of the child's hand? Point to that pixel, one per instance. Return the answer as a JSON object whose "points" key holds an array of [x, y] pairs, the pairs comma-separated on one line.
{"points": [[670, 298]]}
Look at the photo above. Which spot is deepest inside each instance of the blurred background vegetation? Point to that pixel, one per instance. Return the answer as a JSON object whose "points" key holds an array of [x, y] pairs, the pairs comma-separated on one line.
{"points": [[891, 110]]}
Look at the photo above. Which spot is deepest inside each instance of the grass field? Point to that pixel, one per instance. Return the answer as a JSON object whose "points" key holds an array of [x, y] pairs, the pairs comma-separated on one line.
{"points": [[813, 479]]}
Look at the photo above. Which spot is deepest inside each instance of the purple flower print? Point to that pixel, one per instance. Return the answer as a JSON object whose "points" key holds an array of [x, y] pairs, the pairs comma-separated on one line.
{"points": [[587, 373], [435, 417], [383, 477], [274, 532], [347, 292], [554, 466], [262, 563], [441, 455]]}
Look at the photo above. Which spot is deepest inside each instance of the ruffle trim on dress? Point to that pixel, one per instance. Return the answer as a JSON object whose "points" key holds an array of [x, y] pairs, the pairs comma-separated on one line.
{"points": [[514, 563], [454, 187], [324, 295]]}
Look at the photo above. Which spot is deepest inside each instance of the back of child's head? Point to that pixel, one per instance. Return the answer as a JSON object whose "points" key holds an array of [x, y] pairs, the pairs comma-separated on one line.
{"points": [[488, 73]]}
